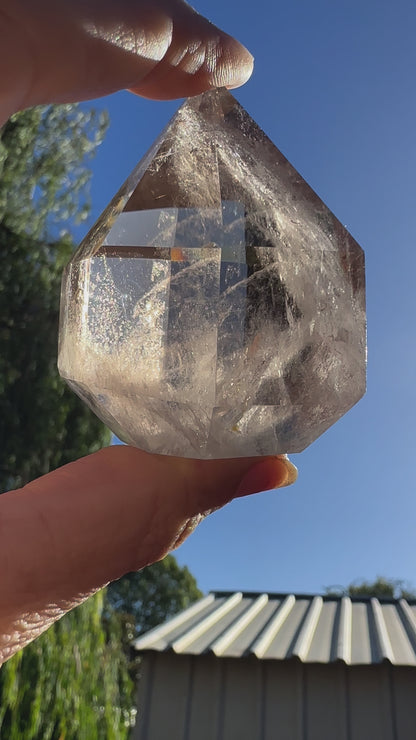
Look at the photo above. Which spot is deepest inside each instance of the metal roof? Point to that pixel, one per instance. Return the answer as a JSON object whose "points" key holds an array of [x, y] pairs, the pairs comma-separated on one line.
{"points": [[311, 629]]}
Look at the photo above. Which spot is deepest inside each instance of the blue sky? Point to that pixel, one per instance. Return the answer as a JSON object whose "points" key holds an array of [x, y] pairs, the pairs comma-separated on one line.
{"points": [[335, 89]]}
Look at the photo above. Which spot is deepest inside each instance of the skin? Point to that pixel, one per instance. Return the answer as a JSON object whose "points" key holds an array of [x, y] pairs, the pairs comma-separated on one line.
{"points": [[69, 533]]}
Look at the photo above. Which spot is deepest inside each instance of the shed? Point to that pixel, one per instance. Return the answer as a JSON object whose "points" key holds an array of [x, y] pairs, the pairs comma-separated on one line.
{"points": [[263, 666]]}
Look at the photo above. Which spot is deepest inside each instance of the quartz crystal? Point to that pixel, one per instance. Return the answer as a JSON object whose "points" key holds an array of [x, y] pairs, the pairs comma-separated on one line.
{"points": [[216, 309]]}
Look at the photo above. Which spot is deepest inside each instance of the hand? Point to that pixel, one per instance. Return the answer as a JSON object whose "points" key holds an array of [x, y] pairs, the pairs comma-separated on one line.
{"points": [[67, 534], [68, 50]]}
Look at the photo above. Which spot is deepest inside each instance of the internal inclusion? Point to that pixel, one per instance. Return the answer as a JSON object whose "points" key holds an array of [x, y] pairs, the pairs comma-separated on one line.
{"points": [[221, 328]]}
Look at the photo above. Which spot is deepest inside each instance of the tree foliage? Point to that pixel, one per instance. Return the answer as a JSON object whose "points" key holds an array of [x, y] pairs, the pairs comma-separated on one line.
{"points": [[78, 680], [71, 683], [42, 423], [144, 600], [380, 587], [44, 182], [154, 594]]}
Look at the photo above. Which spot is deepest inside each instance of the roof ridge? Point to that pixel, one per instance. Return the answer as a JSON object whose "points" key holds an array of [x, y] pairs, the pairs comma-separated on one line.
{"points": [[220, 593]]}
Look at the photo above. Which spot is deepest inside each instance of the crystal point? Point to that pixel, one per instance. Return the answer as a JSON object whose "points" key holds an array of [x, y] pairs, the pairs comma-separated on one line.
{"points": [[216, 309]]}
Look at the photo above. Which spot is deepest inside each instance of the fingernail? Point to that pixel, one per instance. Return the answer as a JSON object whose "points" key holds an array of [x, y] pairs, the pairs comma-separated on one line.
{"points": [[275, 472], [234, 75], [241, 75], [291, 470]]}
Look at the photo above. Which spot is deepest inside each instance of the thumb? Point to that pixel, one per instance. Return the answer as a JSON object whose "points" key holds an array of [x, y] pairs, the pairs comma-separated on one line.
{"points": [[65, 51], [67, 534]]}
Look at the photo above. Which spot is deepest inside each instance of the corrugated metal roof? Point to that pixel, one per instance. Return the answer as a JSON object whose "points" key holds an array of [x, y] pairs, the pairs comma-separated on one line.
{"points": [[311, 629]]}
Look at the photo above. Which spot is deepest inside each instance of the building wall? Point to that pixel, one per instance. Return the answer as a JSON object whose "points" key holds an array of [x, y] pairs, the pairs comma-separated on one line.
{"points": [[207, 698]]}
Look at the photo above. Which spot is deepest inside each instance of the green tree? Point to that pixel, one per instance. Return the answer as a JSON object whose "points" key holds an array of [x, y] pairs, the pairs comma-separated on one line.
{"points": [[381, 588], [78, 680], [42, 423], [144, 600], [154, 594], [44, 180], [43, 185], [71, 683]]}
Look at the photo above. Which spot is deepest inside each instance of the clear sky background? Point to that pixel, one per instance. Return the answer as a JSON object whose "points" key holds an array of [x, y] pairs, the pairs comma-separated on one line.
{"points": [[335, 88]]}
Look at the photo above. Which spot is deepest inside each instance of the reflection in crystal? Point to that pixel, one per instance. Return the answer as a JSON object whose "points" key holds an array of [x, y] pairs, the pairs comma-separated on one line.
{"points": [[216, 309], [144, 228]]}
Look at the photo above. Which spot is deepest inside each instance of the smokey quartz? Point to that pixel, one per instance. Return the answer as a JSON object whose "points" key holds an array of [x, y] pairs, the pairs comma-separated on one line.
{"points": [[216, 309]]}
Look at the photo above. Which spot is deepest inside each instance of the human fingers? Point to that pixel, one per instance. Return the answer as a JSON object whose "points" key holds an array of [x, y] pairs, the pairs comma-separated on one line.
{"points": [[67, 534], [67, 50]]}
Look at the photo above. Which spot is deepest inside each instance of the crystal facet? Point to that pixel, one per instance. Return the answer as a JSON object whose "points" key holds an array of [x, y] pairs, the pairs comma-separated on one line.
{"points": [[216, 309]]}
